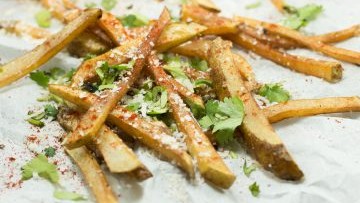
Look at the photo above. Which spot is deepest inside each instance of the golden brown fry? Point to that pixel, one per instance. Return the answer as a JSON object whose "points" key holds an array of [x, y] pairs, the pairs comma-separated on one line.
{"points": [[199, 48], [207, 4], [23, 65], [276, 41], [216, 25], [113, 28], [330, 71], [334, 52], [93, 175], [117, 155], [177, 33], [210, 164], [309, 107], [149, 133], [258, 135], [95, 116], [279, 4]]}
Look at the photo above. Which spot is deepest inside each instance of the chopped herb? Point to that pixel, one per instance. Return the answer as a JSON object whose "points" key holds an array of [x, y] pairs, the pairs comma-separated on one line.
{"points": [[233, 155], [274, 92], [134, 20], [34, 122], [248, 169], [90, 5], [108, 4], [40, 78], [299, 17], [49, 151], [254, 189], [42, 167], [64, 195], [199, 64], [51, 97], [108, 74], [174, 67], [88, 56], [202, 83], [253, 5], [152, 102], [43, 18], [50, 110], [223, 117]]}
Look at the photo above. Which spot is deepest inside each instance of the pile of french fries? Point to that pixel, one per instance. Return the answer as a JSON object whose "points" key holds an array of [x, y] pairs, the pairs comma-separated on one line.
{"points": [[202, 33]]}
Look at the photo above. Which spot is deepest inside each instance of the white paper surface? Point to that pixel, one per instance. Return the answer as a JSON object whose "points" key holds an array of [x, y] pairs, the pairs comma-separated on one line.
{"points": [[325, 147]]}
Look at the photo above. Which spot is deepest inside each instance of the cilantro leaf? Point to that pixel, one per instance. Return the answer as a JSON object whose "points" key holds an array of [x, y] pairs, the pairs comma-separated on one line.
{"points": [[253, 5], [134, 20], [274, 92], [299, 17], [65, 195], [40, 78], [199, 64], [49, 151], [108, 4], [108, 74], [50, 110], [43, 18], [254, 189], [223, 117], [35, 122], [174, 67], [42, 167], [248, 169]]}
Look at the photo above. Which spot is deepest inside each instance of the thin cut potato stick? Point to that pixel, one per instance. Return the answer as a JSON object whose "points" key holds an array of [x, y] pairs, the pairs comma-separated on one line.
{"points": [[199, 48], [216, 25], [32, 60], [95, 116], [207, 4], [118, 157], [210, 164], [334, 52], [330, 71], [309, 107], [93, 175], [277, 41], [113, 28], [177, 33], [258, 135], [149, 133]]}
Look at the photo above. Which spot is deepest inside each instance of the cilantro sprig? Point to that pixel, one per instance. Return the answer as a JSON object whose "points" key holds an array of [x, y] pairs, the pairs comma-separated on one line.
{"points": [[134, 20], [109, 74], [36, 118], [174, 65], [53, 76], [300, 17], [274, 92], [223, 118]]}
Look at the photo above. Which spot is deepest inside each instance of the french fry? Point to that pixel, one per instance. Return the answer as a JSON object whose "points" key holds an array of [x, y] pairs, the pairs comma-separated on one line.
{"points": [[20, 28], [309, 107], [93, 175], [259, 137], [207, 4], [177, 33], [330, 71], [96, 115], [199, 48], [334, 52], [113, 28], [216, 25], [276, 41], [148, 133], [210, 164], [117, 155], [23, 65]]}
